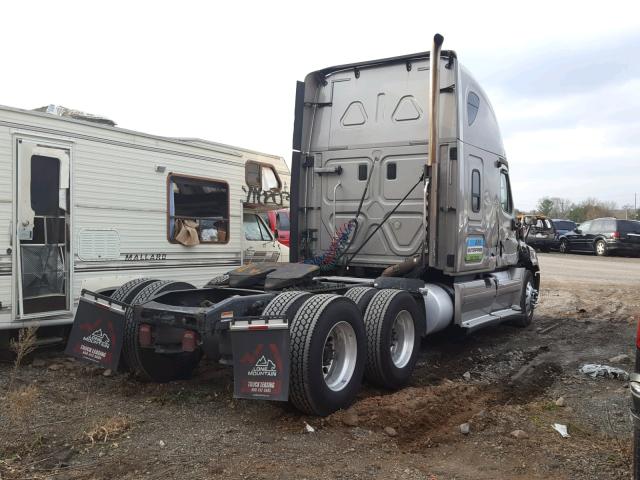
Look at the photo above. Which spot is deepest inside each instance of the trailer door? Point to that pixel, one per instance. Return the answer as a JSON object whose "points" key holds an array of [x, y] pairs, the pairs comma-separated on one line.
{"points": [[43, 218]]}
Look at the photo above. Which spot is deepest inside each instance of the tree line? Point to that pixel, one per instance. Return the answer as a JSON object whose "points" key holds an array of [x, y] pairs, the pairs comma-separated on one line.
{"points": [[588, 209]]}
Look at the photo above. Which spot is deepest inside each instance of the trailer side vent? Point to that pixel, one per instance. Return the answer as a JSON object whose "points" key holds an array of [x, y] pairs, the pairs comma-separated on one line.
{"points": [[98, 244]]}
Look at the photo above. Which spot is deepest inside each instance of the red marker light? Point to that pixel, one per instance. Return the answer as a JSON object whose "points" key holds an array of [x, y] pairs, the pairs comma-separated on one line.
{"points": [[189, 341], [144, 335], [616, 235]]}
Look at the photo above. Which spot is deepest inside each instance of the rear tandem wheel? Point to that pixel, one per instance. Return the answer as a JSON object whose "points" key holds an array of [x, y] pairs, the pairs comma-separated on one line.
{"points": [[327, 352], [148, 364], [125, 294], [393, 338]]}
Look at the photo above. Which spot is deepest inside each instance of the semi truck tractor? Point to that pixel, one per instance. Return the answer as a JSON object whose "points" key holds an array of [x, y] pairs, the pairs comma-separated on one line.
{"points": [[402, 225]]}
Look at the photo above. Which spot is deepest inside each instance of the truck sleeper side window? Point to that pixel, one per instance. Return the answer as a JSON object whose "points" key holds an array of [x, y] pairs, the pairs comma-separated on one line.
{"points": [[198, 210], [505, 192], [475, 190]]}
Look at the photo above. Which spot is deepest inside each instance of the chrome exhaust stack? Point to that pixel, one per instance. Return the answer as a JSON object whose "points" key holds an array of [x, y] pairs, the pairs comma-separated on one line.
{"points": [[431, 181]]}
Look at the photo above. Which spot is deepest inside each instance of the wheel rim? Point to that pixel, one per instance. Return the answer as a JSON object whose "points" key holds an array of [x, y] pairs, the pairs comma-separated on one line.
{"points": [[563, 247], [402, 339], [339, 356], [528, 299], [600, 248]]}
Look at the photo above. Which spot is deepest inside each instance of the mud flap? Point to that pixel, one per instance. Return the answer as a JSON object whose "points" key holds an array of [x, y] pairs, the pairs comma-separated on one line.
{"points": [[98, 330], [260, 359]]}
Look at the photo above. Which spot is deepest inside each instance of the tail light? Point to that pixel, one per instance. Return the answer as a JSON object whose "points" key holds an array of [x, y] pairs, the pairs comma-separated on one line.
{"points": [[144, 335], [189, 340], [615, 235]]}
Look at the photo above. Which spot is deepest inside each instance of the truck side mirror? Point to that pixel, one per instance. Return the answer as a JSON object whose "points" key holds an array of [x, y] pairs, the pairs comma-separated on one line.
{"points": [[275, 234]]}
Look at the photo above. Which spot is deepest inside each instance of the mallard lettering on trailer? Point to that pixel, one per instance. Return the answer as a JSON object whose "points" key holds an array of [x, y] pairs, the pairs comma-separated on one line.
{"points": [[145, 257]]}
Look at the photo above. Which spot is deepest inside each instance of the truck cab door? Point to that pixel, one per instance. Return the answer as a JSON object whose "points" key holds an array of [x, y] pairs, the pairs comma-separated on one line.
{"points": [[507, 240]]}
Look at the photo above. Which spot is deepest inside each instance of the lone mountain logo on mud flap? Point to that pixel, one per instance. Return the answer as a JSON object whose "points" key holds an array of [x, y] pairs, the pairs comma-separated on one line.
{"points": [[263, 368], [99, 338]]}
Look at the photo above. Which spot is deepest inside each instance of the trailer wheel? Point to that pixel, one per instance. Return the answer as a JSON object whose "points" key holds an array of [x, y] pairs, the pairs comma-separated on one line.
{"points": [[286, 304], [526, 302], [145, 362], [219, 280], [328, 350], [393, 340], [361, 296]]}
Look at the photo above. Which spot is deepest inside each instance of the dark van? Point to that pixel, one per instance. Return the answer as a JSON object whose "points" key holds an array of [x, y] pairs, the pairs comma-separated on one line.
{"points": [[603, 236]]}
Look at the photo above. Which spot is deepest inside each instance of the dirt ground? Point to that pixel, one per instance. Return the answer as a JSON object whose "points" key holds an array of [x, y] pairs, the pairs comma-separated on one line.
{"points": [[69, 421]]}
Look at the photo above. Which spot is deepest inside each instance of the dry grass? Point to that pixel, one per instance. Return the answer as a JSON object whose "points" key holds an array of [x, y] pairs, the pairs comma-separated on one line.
{"points": [[23, 346], [21, 402], [109, 428]]}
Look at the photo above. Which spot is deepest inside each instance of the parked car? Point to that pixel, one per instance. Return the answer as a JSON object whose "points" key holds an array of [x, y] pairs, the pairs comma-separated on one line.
{"points": [[603, 236], [563, 226], [540, 232], [278, 221], [260, 243]]}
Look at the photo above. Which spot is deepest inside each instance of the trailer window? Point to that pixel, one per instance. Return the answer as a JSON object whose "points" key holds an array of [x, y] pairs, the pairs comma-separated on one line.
{"points": [[473, 105], [475, 190], [261, 176], [198, 210], [505, 193]]}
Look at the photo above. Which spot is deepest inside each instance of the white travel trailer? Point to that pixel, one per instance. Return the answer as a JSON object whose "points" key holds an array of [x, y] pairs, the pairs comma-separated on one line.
{"points": [[88, 205]]}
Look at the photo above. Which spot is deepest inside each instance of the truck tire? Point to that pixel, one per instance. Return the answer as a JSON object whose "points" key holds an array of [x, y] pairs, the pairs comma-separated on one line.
{"points": [[328, 353], [218, 280], [361, 296], [145, 362], [129, 290], [125, 294], [636, 451], [393, 340], [526, 302], [286, 304]]}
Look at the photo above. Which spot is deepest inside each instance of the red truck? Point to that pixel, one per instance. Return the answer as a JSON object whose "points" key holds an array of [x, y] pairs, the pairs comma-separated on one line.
{"points": [[278, 222]]}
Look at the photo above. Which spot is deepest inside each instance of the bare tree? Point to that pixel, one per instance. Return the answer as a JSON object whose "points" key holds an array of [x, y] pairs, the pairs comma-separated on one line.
{"points": [[561, 207]]}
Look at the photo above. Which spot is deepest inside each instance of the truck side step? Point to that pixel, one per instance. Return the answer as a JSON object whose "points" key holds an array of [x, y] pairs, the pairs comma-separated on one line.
{"points": [[489, 319]]}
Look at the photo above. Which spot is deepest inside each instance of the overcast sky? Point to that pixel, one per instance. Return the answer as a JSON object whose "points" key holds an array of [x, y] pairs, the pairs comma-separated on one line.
{"points": [[564, 77]]}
